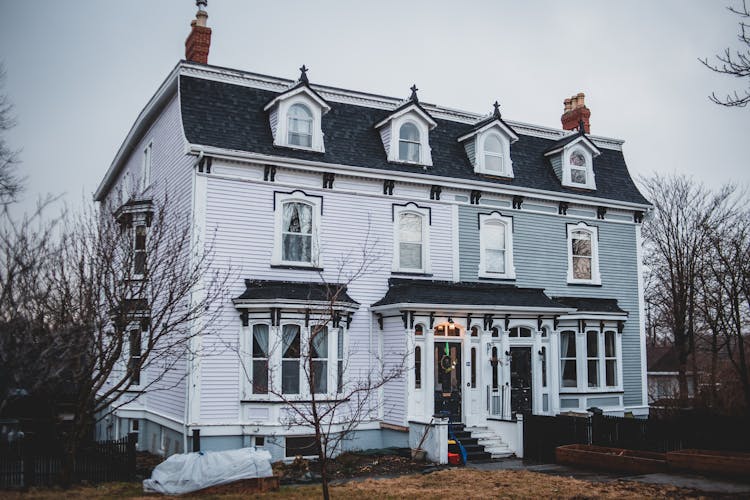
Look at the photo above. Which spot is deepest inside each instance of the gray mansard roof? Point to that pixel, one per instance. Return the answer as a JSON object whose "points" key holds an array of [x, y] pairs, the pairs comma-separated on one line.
{"points": [[230, 116]]}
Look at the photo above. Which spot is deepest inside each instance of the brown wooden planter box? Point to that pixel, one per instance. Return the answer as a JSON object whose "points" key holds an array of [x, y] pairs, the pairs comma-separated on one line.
{"points": [[244, 487], [611, 459], [709, 462]]}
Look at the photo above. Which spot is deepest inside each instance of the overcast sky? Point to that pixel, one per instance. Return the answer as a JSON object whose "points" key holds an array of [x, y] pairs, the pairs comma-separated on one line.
{"points": [[80, 71]]}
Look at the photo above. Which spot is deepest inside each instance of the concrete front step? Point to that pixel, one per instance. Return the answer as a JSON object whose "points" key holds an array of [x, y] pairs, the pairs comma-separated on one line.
{"points": [[492, 443]]}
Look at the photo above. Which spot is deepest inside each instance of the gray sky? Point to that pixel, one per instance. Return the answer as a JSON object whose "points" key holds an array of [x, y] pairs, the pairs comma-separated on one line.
{"points": [[80, 71]]}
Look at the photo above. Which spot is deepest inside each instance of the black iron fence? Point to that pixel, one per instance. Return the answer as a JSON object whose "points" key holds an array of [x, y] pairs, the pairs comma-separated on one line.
{"points": [[30, 463], [542, 434]]}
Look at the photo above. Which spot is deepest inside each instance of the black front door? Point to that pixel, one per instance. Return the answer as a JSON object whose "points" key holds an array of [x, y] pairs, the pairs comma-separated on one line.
{"points": [[448, 380], [520, 380]]}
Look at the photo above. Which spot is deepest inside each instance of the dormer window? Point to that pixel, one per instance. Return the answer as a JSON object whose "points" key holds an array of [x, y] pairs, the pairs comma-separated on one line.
{"points": [[405, 133], [296, 117], [572, 159], [409, 143], [488, 145], [300, 126]]}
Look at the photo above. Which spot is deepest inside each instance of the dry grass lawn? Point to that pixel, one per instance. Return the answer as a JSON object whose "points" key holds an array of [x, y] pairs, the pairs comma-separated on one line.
{"points": [[458, 483]]}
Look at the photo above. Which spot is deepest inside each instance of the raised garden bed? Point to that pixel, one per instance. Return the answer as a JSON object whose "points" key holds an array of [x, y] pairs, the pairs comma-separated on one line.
{"points": [[611, 459], [709, 462]]}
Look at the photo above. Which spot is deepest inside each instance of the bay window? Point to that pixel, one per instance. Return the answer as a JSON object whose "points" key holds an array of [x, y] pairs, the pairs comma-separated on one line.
{"points": [[610, 358], [592, 358], [319, 358]]}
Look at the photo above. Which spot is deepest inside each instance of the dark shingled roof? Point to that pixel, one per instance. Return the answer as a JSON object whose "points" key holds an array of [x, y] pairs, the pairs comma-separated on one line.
{"points": [[293, 290], [589, 304], [231, 116], [464, 293]]}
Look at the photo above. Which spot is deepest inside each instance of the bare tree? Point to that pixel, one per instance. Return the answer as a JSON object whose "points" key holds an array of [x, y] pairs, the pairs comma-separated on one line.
{"points": [[734, 63], [677, 237], [331, 414], [29, 350], [126, 290], [725, 299], [10, 183]]}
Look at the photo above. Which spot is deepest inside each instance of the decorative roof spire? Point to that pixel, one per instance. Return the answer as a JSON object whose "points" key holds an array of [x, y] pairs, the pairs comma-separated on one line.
{"points": [[414, 93], [201, 4], [303, 75], [581, 126], [496, 113]]}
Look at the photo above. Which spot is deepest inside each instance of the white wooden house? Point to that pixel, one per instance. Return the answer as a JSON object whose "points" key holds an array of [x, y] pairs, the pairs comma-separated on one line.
{"points": [[509, 268]]}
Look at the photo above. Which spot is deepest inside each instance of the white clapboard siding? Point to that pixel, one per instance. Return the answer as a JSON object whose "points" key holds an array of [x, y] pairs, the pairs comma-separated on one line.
{"points": [[240, 220]]}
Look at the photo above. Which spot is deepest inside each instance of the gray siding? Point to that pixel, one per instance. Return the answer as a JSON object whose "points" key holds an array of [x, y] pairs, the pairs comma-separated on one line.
{"points": [[556, 161], [541, 261]]}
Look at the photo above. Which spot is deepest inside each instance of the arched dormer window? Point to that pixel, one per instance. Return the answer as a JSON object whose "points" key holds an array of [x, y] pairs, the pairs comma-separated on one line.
{"points": [[411, 240], [297, 228], [493, 155], [299, 126], [409, 143], [496, 246], [583, 254]]}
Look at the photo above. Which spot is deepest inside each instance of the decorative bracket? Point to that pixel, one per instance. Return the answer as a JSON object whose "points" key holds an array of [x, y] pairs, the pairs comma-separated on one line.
{"points": [[638, 217], [328, 178], [388, 185], [380, 320], [601, 212], [435, 192], [562, 208], [476, 195], [517, 202], [269, 173], [244, 317]]}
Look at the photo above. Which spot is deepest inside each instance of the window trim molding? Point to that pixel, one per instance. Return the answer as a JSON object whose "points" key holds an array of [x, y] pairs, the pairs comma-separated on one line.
{"points": [[426, 215], [507, 222], [316, 204], [147, 166], [593, 231]]}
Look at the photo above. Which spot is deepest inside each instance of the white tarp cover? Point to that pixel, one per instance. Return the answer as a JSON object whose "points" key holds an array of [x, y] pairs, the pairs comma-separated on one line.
{"points": [[183, 473]]}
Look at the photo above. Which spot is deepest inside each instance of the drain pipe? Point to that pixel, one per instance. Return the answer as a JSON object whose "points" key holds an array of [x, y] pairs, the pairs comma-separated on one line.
{"points": [[189, 381]]}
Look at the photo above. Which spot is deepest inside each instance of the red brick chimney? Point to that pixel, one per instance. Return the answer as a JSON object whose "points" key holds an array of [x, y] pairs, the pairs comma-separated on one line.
{"points": [[199, 40], [575, 111]]}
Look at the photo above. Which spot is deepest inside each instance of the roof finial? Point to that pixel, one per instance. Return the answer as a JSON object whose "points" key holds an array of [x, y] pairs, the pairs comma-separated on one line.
{"points": [[581, 126], [414, 93], [496, 113], [201, 4], [303, 75]]}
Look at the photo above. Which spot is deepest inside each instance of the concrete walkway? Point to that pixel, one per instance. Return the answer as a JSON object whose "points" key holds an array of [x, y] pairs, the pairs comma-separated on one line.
{"points": [[690, 481]]}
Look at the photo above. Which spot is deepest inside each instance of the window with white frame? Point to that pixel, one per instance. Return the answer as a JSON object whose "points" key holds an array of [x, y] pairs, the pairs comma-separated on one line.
{"points": [[568, 364], [493, 160], [592, 359], [297, 223], [299, 126], [319, 358], [577, 161], [146, 167], [409, 143], [610, 358], [583, 254], [411, 252], [496, 246], [260, 355], [290, 359]]}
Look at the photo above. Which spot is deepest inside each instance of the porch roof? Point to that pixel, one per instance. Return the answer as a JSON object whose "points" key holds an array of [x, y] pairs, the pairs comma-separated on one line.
{"points": [[591, 304], [271, 290], [416, 291]]}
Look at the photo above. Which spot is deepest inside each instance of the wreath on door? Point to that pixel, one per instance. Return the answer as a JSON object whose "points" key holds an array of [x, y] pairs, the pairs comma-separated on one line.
{"points": [[447, 364]]}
